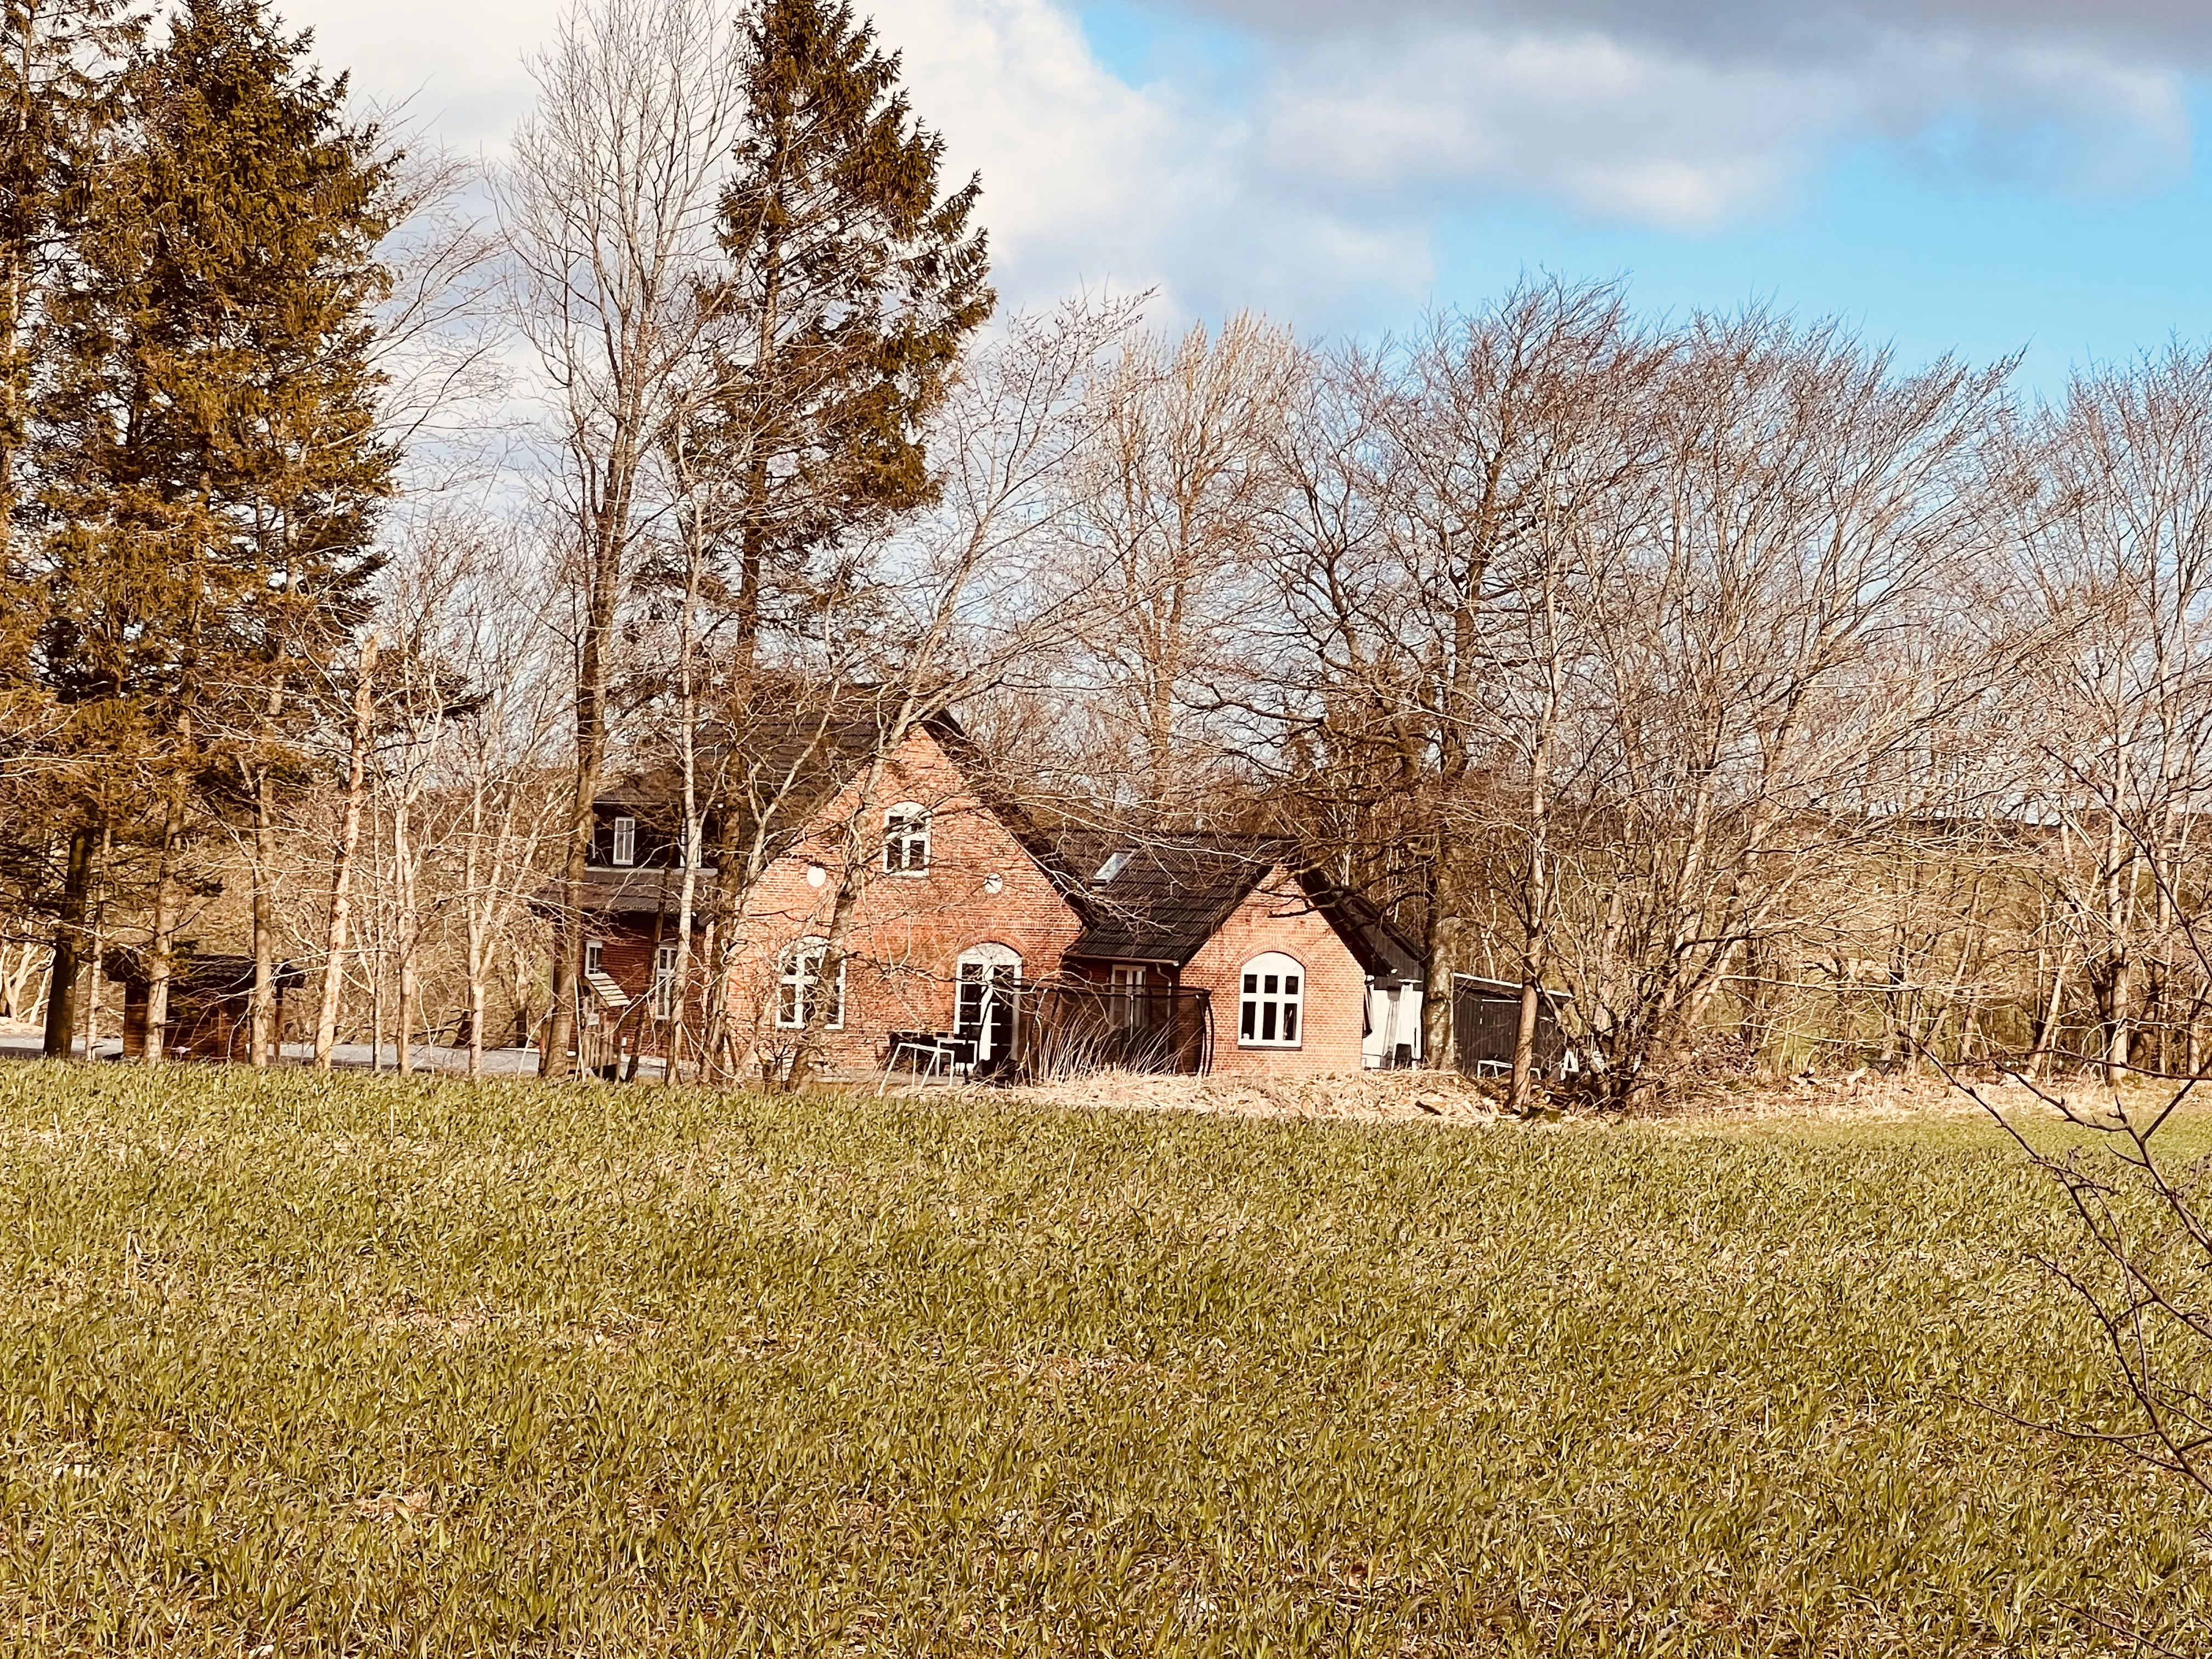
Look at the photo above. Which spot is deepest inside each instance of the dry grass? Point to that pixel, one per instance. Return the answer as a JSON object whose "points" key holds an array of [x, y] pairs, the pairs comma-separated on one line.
{"points": [[1358, 1097]]}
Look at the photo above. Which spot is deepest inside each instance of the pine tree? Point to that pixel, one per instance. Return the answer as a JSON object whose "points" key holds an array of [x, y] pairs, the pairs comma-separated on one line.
{"points": [[61, 62], [853, 289], [212, 466]]}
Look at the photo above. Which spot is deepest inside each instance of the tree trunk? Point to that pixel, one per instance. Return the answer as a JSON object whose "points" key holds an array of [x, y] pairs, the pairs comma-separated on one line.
{"points": [[262, 1027], [475, 944], [1445, 946], [68, 937], [409, 929], [342, 859], [2054, 1008], [852, 882], [162, 960], [92, 976]]}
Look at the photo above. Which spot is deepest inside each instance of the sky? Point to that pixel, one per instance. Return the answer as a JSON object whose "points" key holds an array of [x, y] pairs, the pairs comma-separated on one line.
{"points": [[1982, 177]]}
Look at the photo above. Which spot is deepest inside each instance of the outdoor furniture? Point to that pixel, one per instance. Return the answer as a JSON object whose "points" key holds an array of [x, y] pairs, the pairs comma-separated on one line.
{"points": [[926, 1052]]}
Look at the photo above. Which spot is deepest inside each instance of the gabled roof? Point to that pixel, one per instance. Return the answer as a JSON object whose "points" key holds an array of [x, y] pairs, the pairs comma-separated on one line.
{"points": [[785, 767], [1382, 952], [1157, 897]]}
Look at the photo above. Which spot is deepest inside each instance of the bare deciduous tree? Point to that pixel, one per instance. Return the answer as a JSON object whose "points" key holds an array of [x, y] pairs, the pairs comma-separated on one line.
{"points": [[609, 213]]}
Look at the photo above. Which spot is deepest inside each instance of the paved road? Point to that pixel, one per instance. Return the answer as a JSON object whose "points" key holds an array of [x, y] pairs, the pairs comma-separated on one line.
{"points": [[20, 1042]]}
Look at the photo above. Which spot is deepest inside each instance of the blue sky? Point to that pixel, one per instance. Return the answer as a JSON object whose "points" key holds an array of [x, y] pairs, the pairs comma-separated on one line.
{"points": [[1981, 268], [1979, 175], [1919, 237]]}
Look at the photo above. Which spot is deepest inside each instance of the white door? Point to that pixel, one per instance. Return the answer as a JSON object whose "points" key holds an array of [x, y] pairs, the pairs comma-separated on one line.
{"points": [[989, 990]]}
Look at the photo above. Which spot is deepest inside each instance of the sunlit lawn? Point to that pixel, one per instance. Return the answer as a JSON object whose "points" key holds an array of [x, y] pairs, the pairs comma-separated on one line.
{"points": [[294, 1365]]}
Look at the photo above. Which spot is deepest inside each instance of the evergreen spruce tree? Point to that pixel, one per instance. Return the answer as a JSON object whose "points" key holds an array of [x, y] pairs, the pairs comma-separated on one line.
{"points": [[61, 62], [212, 468], [853, 289]]}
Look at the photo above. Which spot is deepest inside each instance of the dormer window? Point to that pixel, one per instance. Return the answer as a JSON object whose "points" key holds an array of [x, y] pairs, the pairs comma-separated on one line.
{"points": [[625, 839], [906, 839], [1111, 868]]}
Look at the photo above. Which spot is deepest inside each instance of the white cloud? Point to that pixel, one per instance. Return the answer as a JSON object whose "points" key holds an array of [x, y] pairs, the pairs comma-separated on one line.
{"points": [[456, 64], [1309, 181], [1613, 132], [1089, 179]]}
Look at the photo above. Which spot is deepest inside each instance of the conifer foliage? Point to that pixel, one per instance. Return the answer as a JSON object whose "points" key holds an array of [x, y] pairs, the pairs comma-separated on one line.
{"points": [[201, 427], [851, 291]]}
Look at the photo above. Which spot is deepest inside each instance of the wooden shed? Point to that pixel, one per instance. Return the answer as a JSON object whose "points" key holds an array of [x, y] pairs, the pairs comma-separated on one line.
{"points": [[211, 1003], [1486, 1018]]}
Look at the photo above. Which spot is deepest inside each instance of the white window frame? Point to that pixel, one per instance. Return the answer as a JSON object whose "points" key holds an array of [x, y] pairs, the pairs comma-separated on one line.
{"points": [[624, 835], [595, 957], [795, 986], [1131, 1003], [1271, 1002], [664, 980], [906, 839], [986, 960]]}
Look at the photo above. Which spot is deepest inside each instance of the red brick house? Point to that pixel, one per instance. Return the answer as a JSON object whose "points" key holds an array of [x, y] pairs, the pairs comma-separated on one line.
{"points": [[979, 942]]}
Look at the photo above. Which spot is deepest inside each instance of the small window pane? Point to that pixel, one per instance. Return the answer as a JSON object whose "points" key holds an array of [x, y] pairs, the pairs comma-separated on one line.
{"points": [[1267, 1022], [1289, 1022], [1270, 986], [1251, 1010], [1290, 985], [1251, 983]]}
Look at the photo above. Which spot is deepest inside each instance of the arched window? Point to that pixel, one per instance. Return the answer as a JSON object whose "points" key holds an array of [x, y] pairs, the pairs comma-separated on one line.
{"points": [[906, 838], [1269, 1006], [798, 987]]}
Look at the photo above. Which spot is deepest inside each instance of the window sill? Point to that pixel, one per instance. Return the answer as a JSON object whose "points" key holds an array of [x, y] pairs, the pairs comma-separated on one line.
{"points": [[1271, 1047]]}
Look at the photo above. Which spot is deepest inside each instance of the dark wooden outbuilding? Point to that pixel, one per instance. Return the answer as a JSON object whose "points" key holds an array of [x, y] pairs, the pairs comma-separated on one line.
{"points": [[1486, 1019], [211, 1003]]}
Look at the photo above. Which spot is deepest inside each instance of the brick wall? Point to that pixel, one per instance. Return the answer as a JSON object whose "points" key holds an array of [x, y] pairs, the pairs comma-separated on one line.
{"points": [[1278, 916], [910, 928]]}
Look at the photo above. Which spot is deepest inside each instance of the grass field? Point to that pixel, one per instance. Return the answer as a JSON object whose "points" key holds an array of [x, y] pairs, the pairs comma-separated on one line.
{"points": [[298, 1366]]}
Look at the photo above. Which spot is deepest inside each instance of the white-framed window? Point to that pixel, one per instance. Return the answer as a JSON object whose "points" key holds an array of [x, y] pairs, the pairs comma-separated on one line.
{"points": [[989, 1003], [1131, 1007], [664, 982], [625, 839], [595, 955], [798, 987], [906, 838], [1271, 1002]]}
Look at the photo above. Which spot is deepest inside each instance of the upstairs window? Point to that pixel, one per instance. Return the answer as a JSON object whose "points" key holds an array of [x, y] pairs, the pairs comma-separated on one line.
{"points": [[906, 839], [1271, 1002], [625, 839], [799, 987], [595, 952]]}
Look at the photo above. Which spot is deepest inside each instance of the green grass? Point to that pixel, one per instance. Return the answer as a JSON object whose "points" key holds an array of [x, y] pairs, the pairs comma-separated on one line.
{"points": [[298, 1365]]}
